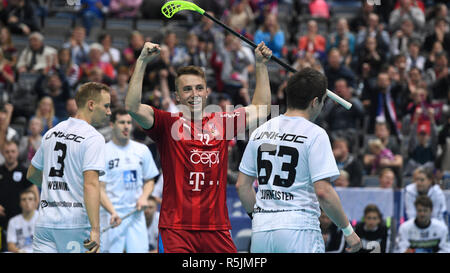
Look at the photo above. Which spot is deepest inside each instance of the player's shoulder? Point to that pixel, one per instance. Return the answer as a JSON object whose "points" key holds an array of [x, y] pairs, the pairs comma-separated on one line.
{"points": [[16, 219], [408, 224], [438, 224]]}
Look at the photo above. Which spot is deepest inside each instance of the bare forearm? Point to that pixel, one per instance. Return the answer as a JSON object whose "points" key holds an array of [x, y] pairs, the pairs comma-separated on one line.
{"points": [[105, 202], [262, 94], [134, 94], [246, 193], [148, 188], [13, 248], [92, 203], [331, 204]]}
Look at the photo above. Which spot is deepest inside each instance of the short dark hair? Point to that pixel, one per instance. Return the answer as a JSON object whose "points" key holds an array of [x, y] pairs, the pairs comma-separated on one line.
{"points": [[89, 91], [118, 111], [424, 201], [373, 208], [304, 86], [28, 190]]}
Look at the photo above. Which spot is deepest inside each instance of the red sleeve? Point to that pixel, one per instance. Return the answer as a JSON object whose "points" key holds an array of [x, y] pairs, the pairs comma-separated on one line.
{"points": [[161, 121]]}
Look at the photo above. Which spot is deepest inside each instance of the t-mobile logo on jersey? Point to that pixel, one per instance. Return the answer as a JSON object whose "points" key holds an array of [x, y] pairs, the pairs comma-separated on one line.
{"points": [[198, 180]]}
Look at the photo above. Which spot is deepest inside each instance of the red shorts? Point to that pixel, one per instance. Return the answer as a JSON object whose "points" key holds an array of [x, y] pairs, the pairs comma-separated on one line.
{"points": [[195, 241]]}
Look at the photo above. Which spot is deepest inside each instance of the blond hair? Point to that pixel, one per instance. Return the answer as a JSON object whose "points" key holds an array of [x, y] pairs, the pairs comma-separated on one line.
{"points": [[89, 91]]}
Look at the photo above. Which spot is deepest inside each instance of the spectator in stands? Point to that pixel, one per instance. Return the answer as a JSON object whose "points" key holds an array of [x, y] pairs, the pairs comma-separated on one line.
{"points": [[124, 8], [407, 11], [361, 20], [71, 108], [335, 70], [424, 185], [423, 233], [438, 77], [110, 54], [386, 178], [312, 41], [36, 56], [422, 146], [121, 87], [380, 103], [271, 34], [92, 11], [78, 46], [373, 29], [238, 62], [382, 155], [190, 54], [6, 72], [346, 161], [343, 179], [371, 55], [6, 44], [336, 117], [436, 13], [95, 54], [55, 86], [241, 16], [346, 55], [342, 33], [414, 58], [332, 235], [31, 142], [46, 112], [6, 132], [132, 52], [373, 228], [440, 34], [401, 38], [19, 16], [382, 132], [12, 182], [319, 8], [437, 47], [420, 110], [206, 29], [70, 69], [152, 219], [21, 227]]}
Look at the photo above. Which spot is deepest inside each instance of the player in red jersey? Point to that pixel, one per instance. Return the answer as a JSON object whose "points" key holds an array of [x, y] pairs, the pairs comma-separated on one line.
{"points": [[193, 145]]}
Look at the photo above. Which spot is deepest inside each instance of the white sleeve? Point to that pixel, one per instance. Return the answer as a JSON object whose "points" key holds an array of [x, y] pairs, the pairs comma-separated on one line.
{"points": [[94, 154], [11, 232], [38, 158], [149, 167], [441, 205], [248, 164], [402, 242], [410, 209], [444, 244], [321, 161]]}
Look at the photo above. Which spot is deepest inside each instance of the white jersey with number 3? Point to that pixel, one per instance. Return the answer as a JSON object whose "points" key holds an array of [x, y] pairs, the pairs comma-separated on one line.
{"points": [[287, 155], [67, 150]]}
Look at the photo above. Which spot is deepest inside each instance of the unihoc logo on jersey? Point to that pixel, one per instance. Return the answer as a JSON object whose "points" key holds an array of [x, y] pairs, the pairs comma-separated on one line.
{"points": [[44, 204], [205, 157]]}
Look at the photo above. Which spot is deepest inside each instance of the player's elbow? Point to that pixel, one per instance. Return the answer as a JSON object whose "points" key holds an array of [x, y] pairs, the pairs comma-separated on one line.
{"points": [[323, 191]]}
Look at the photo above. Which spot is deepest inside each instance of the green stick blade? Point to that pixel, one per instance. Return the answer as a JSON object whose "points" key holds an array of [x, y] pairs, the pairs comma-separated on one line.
{"points": [[170, 8]]}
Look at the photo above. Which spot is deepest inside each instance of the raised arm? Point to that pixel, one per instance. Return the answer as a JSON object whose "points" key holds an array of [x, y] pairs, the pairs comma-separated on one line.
{"points": [[142, 113], [262, 96]]}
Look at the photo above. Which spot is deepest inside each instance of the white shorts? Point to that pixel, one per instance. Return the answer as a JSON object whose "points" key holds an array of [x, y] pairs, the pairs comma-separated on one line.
{"points": [[53, 240], [130, 236], [287, 241]]}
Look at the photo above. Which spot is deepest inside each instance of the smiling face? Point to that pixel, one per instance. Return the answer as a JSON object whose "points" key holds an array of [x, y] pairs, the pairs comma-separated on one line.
{"points": [[192, 92]]}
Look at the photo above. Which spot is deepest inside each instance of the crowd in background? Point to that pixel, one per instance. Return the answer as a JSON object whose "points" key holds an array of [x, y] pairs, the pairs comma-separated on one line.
{"points": [[390, 61]]}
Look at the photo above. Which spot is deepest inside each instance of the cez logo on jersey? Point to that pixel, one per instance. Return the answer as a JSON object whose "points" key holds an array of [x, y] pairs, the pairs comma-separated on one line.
{"points": [[205, 157], [130, 179]]}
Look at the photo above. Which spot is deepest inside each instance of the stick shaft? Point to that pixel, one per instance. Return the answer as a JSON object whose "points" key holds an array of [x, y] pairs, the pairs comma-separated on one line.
{"points": [[347, 105]]}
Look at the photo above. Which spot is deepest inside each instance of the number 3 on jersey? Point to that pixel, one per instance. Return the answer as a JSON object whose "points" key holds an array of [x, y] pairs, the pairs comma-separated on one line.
{"points": [[59, 172], [267, 165]]}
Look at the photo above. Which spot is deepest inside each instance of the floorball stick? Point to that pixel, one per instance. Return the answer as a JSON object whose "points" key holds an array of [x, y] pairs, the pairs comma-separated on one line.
{"points": [[170, 8]]}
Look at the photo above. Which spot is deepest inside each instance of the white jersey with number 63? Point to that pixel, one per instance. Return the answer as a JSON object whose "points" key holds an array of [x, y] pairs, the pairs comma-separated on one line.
{"points": [[67, 150], [287, 155]]}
